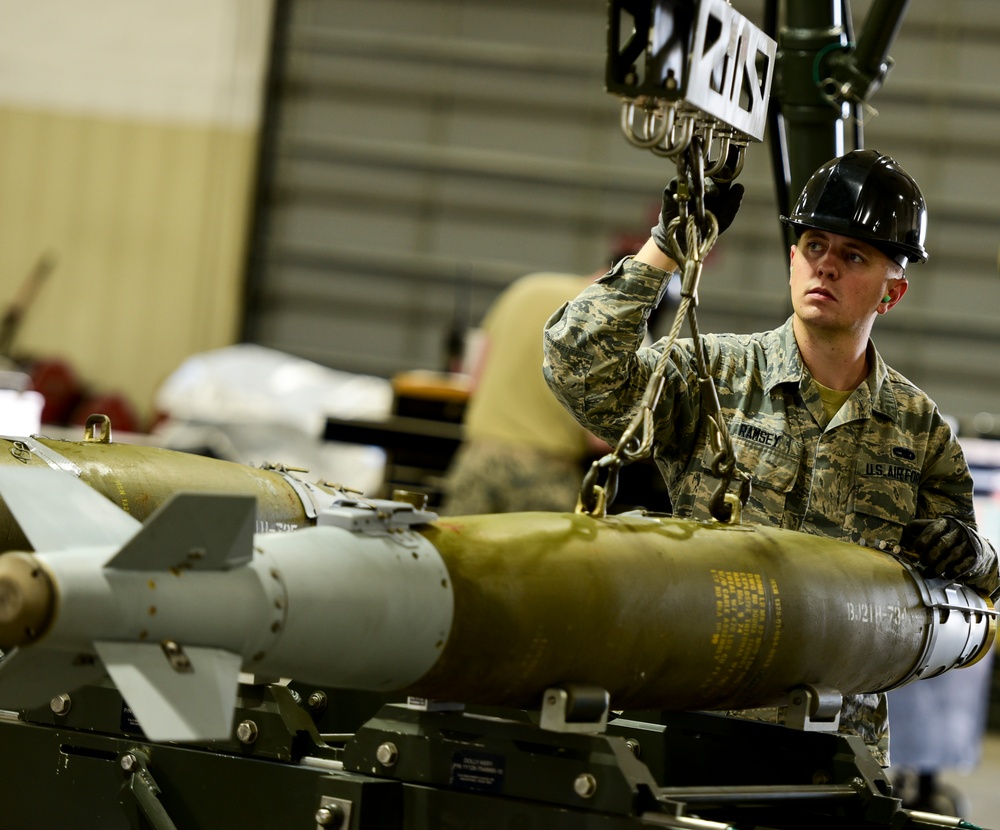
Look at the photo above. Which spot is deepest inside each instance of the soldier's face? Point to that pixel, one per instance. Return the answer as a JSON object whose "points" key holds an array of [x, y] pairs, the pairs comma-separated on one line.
{"points": [[839, 281]]}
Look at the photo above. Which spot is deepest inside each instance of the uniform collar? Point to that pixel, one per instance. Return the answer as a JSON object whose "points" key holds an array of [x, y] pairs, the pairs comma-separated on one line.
{"points": [[880, 392], [784, 365]]}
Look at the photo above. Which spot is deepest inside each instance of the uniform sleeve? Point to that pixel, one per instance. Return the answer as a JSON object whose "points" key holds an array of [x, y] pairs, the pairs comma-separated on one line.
{"points": [[946, 484], [946, 490], [594, 361]]}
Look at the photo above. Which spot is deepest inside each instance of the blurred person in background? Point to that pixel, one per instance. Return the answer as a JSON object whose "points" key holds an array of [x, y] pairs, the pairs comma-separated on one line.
{"points": [[521, 450]]}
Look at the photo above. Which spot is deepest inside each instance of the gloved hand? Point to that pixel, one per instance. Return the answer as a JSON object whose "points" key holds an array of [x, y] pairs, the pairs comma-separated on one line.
{"points": [[723, 200], [947, 547]]}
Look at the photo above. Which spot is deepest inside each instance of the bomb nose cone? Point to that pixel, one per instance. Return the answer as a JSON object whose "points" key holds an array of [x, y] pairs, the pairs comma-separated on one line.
{"points": [[27, 600]]}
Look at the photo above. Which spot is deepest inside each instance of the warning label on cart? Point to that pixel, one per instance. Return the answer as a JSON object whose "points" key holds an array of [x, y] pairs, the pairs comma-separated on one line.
{"points": [[477, 771]]}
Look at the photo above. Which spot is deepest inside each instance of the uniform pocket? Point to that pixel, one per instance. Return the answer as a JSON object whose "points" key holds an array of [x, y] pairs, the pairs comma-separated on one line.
{"points": [[885, 497], [771, 457], [773, 472]]}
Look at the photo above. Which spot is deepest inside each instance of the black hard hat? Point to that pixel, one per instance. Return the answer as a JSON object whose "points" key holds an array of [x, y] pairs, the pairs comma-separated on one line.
{"points": [[866, 195]]}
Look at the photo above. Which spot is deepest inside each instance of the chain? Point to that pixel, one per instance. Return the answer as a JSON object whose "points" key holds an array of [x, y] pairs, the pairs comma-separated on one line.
{"points": [[691, 236]]}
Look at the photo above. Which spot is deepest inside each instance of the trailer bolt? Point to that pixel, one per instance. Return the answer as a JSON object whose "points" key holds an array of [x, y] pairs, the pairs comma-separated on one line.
{"points": [[317, 701], [246, 732], [60, 704], [585, 785], [387, 754], [330, 816]]}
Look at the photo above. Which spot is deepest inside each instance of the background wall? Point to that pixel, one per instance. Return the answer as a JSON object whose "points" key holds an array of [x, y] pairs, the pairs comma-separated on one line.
{"points": [[421, 154], [427, 152], [128, 136]]}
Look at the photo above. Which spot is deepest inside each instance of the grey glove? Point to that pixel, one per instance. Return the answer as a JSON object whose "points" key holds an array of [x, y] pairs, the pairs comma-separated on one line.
{"points": [[947, 547], [723, 200]]}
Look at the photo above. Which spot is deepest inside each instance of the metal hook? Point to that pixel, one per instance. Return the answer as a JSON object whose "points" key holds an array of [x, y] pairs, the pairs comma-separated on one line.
{"points": [[652, 132], [728, 507], [676, 144], [720, 162], [593, 498]]}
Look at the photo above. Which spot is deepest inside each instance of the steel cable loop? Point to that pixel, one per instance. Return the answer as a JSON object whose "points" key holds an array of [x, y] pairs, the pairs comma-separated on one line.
{"points": [[593, 498], [639, 432], [641, 427], [700, 232]]}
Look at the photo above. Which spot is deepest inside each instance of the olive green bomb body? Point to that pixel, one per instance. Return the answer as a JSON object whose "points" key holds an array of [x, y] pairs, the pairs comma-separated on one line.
{"points": [[140, 478], [494, 609], [675, 614]]}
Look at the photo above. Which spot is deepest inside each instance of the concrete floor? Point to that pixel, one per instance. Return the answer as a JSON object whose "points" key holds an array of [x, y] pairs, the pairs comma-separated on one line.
{"points": [[981, 786]]}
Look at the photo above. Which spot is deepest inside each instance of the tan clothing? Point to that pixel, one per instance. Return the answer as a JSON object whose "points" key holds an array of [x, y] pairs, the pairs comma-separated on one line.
{"points": [[522, 449], [511, 402]]}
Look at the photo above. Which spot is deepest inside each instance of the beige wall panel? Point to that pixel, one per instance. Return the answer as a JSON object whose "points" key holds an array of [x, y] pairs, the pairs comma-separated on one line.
{"points": [[147, 223]]}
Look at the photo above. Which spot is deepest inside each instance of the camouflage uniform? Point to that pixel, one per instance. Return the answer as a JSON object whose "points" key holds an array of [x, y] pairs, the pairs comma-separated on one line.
{"points": [[501, 478], [887, 457]]}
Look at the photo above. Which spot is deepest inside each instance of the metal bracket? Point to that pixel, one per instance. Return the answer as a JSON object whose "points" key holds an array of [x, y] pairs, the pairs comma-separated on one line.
{"points": [[575, 708], [97, 430], [960, 621], [423, 704], [814, 709], [724, 83], [302, 490], [704, 69], [376, 517]]}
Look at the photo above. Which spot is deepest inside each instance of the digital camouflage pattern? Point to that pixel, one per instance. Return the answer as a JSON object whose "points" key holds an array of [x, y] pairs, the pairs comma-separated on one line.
{"points": [[887, 457]]}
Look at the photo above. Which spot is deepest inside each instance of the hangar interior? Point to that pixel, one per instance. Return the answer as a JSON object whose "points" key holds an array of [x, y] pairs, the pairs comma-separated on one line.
{"points": [[353, 182], [420, 156]]}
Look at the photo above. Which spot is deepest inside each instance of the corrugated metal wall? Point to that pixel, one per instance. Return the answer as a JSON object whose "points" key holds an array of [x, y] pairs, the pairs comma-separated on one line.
{"points": [[427, 152]]}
